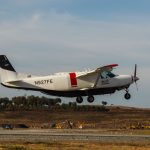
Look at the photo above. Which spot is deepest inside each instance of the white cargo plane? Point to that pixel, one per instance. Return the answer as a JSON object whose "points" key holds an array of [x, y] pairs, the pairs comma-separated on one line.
{"points": [[69, 84]]}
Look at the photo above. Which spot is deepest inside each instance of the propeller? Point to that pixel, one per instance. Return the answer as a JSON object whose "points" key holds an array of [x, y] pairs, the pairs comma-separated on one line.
{"points": [[135, 70], [135, 78]]}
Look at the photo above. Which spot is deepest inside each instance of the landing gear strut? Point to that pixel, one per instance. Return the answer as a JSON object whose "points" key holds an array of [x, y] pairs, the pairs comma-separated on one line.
{"points": [[90, 99], [127, 96], [79, 99]]}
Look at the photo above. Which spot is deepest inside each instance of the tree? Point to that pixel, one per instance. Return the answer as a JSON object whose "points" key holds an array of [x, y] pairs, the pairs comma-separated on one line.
{"points": [[4, 102], [104, 103]]}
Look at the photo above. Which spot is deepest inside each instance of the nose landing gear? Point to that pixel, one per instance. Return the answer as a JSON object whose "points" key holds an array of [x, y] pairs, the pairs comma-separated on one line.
{"points": [[127, 96]]}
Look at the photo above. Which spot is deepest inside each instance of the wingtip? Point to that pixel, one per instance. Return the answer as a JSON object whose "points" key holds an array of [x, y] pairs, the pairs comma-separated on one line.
{"points": [[112, 65]]}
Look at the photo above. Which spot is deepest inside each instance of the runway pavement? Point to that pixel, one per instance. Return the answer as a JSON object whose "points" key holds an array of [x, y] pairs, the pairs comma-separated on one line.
{"points": [[42, 135]]}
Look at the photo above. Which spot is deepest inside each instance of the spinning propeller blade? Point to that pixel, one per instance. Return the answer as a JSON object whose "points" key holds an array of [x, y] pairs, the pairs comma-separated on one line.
{"points": [[135, 70], [135, 78]]}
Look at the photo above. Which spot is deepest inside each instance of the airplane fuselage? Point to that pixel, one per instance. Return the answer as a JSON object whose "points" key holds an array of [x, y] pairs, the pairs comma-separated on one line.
{"points": [[66, 84]]}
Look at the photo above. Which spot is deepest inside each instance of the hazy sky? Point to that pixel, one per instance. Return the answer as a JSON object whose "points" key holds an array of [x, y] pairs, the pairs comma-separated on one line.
{"points": [[47, 36]]}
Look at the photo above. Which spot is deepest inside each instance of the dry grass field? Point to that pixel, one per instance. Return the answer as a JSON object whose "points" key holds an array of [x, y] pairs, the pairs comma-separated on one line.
{"points": [[119, 120], [73, 145], [115, 118]]}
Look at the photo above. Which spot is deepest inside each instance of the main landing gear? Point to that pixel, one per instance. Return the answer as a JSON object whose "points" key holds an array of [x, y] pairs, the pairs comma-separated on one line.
{"points": [[79, 99], [127, 96], [90, 99]]}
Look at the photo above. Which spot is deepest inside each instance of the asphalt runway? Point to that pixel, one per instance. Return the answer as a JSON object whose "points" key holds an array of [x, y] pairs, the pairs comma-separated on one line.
{"points": [[42, 135]]}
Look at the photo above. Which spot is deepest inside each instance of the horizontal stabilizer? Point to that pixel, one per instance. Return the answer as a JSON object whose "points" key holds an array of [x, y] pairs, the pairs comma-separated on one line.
{"points": [[13, 81]]}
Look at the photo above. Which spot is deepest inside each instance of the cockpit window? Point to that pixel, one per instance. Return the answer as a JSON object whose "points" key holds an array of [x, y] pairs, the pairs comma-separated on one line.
{"points": [[107, 74], [110, 74]]}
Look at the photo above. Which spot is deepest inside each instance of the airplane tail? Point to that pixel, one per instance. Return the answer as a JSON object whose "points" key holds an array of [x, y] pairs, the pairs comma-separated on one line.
{"points": [[7, 72]]}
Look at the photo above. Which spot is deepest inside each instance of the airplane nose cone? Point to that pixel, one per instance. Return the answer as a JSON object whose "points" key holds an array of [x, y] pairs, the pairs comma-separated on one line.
{"points": [[136, 79]]}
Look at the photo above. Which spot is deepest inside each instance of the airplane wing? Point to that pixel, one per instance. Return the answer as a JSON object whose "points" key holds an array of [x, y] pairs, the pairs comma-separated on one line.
{"points": [[98, 71]]}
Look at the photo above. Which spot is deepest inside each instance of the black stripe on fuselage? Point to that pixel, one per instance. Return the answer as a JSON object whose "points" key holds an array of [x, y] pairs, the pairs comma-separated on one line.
{"points": [[74, 93]]}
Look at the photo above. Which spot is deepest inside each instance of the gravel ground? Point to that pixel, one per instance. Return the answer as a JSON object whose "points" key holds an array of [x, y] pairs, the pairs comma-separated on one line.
{"points": [[72, 135]]}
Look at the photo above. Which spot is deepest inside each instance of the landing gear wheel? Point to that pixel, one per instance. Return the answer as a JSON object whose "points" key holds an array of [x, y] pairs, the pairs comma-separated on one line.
{"points": [[127, 96], [79, 99], [90, 99]]}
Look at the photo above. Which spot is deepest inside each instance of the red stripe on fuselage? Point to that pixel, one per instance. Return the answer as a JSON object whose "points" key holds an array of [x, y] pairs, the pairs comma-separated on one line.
{"points": [[73, 79]]}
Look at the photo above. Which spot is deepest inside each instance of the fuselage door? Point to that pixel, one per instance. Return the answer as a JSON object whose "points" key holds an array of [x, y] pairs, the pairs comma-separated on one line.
{"points": [[107, 79]]}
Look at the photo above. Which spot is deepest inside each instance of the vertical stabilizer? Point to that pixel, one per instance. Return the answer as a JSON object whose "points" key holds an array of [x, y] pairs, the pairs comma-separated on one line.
{"points": [[7, 72]]}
